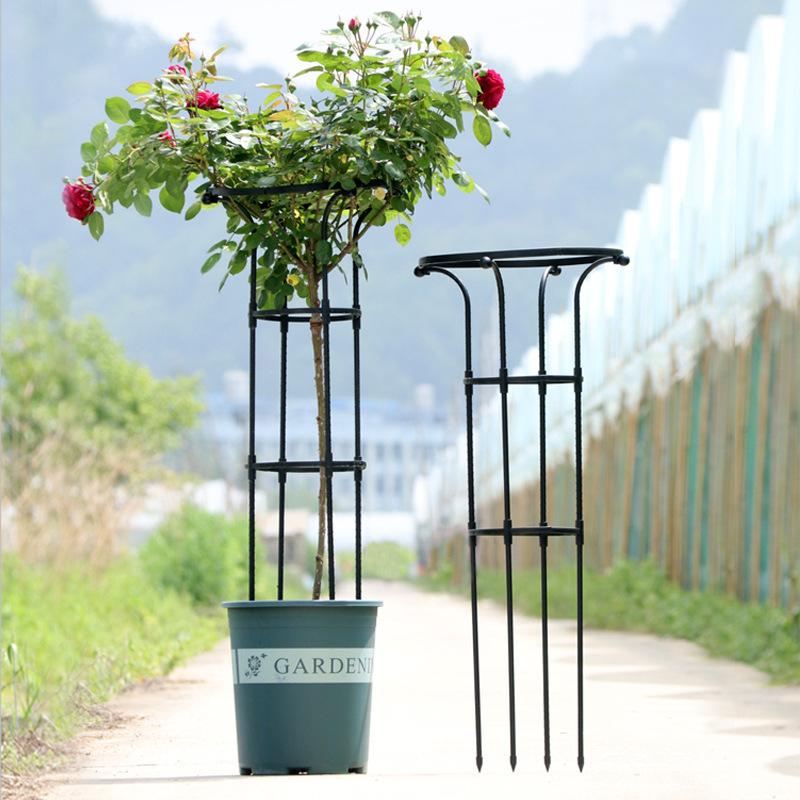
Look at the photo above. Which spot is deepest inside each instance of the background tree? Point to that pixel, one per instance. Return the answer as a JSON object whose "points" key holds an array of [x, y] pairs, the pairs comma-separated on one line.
{"points": [[82, 425]]}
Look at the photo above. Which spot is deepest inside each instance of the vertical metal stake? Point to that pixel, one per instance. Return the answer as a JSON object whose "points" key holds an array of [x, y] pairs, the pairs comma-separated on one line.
{"points": [[512, 703], [580, 646], [251, 457], [552, 270], [282, 454], [476, 670], [357, 420], [545, 654]]}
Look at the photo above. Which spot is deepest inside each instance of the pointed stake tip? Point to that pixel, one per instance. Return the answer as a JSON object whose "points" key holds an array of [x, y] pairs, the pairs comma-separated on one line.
{"points": [[479, 762], [513, 763]]}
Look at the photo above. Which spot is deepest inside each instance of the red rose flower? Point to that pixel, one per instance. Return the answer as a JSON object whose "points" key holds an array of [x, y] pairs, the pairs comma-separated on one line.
{"points": [[492, 88], [78, 197], [177, 69], [205, 100]]}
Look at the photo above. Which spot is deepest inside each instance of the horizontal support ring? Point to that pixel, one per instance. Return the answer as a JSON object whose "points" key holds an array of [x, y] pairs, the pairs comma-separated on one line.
{"points": [[307, 314], [520, 380], [309, 466], [539, 530]]}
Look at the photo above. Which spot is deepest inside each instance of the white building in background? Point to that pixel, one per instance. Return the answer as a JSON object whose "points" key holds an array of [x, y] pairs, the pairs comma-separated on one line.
{"points": [[398, 443]]}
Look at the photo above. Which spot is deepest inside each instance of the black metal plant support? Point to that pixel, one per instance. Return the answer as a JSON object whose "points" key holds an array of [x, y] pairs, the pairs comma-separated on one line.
{"points": [[286, 316], [552, 261]]}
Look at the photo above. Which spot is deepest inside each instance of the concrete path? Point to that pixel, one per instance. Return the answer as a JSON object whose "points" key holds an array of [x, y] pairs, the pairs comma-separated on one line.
{"points": [[662, 721]]}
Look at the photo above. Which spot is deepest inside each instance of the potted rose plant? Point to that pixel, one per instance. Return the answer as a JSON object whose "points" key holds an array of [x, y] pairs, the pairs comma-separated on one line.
{"points": [[378, 136]]}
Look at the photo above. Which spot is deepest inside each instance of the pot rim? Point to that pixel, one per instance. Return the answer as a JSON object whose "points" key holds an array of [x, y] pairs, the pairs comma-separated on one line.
{"points": [[302, 603]]}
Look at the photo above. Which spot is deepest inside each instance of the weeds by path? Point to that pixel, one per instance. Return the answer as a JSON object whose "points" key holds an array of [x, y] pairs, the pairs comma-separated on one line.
{"points": [[637, 596]]}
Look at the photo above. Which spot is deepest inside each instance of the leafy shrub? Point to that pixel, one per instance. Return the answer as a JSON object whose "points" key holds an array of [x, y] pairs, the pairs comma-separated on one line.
{"points": [[199, 554], [387, 561]]}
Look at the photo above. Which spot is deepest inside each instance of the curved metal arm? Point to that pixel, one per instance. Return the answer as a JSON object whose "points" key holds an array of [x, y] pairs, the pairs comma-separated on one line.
{"points": [[421, 272]]}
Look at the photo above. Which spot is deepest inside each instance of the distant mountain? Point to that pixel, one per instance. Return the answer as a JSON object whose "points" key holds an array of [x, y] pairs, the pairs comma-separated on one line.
{"points": [[583, 145]]}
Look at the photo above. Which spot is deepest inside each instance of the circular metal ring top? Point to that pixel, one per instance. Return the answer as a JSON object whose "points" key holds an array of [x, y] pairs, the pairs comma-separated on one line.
{"points": [[533, 257]]}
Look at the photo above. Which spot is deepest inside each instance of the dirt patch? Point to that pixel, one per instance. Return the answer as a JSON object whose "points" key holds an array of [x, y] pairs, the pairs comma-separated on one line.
{"points": [[29, 785], [55, 755], [21, 787]]}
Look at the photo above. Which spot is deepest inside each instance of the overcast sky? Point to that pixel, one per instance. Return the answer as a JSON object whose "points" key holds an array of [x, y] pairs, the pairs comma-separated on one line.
{"points": [[526, 36]]}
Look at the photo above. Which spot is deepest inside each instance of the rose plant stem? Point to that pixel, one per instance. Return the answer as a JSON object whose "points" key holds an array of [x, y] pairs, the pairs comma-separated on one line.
{"points": [[319, 387]]}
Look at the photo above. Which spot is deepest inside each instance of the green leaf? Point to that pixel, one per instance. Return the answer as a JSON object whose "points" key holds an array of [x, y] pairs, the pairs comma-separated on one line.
{"points": [[274, 96], [210, 262], [238, 262], [99, 135], [124, 132], [461, 179], [143, 204], [422, 85], [170, 201], [323, 252], [482, 129], [325, 84], [394, 171], [140, 87], [402, 233], [312, 55], [459, 44], [171, 187], [176, 186], [106, 164], [152, 181], [88, 152], [443, 128], [117, 109], [193, 210], [95, 223], [389, 18]]}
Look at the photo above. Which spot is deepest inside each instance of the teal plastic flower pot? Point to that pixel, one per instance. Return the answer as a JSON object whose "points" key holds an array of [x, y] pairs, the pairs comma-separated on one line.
{"points": [[302, 684]]}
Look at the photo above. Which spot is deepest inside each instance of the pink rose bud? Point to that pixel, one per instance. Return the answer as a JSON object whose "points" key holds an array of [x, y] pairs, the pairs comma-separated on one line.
{"points": [[78, 197], [492, 88], [354, 25], [177, 69], [166, 136], [205, 100]]}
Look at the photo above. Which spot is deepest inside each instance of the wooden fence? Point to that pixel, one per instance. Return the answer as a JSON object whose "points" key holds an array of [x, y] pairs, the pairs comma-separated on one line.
{"points": [[703, 479]]}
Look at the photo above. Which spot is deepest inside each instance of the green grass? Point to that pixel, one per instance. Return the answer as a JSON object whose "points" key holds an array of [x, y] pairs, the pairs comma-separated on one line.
{"points": [[636, 596], [72, 638]]}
